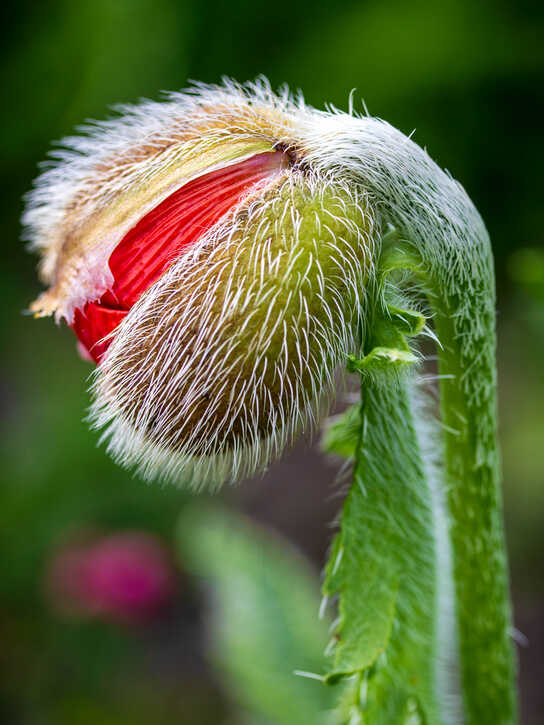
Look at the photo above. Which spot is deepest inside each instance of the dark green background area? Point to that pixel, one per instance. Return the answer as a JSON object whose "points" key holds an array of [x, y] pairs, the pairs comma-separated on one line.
{"points": [[468, 77]]}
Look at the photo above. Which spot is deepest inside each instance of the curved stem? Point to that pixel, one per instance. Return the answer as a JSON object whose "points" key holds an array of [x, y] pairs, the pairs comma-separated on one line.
{"points": [[449, 249], [464, 322], [468, 411]]}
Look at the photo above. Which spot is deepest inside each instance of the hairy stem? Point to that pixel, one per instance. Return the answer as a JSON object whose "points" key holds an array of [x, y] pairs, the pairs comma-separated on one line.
{"points": [[464, 320], [468, 411], [446, 244]]}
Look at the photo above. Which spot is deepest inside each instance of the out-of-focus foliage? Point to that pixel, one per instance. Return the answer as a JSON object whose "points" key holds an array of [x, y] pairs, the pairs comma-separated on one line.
{"points": [[341, 433], [264, 620], [468, 76], [527, 270], [521, 369]]}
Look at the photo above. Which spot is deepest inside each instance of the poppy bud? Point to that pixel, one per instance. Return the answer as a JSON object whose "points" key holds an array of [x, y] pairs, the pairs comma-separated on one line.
{"points": [[213, 268]]}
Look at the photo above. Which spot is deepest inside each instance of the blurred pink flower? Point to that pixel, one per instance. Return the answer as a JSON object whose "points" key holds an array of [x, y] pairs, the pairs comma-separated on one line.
{"points": [[125, 577]]}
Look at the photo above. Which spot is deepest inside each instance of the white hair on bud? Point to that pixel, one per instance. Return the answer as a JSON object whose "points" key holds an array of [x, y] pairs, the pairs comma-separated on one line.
{"points": [[268, 275], [384, 174], [156, 126]]}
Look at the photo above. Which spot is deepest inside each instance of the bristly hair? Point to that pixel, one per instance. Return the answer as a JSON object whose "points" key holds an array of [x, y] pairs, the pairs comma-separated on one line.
{"points": [[152, 130], [233, 351]]}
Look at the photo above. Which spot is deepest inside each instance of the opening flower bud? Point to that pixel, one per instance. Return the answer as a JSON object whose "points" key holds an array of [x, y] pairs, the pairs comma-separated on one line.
{"points": [[211, 269], [150, 247]]}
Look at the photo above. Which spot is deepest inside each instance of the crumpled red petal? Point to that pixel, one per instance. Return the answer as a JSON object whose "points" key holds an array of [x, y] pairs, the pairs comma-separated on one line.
{"points": [[158, 239]]}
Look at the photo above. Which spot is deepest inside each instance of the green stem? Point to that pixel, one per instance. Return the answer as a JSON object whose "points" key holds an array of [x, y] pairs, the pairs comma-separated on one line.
{"points": [[468, 411], [443, 240], [464, 321], [387, 536]]}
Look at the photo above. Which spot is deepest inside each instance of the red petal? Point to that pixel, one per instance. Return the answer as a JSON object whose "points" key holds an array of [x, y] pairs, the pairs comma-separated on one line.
{"points": [[149, 248], [95, 322]]}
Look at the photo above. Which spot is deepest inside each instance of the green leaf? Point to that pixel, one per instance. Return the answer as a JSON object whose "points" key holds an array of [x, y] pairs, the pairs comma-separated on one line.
{"points": [[381, 359], [390, 351], [341, 433], [382, 563], [361, 637], [265, 620], [409, 322], [382, 566]]}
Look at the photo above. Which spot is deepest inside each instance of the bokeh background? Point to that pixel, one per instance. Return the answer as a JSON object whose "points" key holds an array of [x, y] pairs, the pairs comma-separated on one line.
{"points": [[468, 76]]}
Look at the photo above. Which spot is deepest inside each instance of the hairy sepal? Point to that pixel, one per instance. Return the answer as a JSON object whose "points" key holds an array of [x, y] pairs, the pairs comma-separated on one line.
{"points": [[93, 217], [233, 351], [150, 247]]}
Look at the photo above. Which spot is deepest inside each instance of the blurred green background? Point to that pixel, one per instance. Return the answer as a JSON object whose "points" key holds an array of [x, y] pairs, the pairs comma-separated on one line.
{"points": [[468, 76]]}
